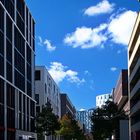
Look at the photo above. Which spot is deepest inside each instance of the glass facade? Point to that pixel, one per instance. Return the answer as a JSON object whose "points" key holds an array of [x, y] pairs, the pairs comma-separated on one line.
{"points": [[16, 70]]}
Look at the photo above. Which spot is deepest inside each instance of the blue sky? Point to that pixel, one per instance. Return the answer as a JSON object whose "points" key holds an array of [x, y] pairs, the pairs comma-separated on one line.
{"points": [[83, 43]]}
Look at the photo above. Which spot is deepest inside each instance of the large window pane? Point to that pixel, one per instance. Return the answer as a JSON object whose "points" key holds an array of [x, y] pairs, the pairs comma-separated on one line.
{"points": [[1, 43], [1, 19], [9, 72], [1, 65], [9, 51], [9, 28]]}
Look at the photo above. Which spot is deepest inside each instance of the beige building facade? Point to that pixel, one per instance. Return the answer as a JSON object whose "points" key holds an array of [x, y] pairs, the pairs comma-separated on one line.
{"points": [[134, 80]]}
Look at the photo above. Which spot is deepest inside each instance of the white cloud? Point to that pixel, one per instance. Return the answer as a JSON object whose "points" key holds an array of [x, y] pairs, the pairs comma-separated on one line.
{"points": [[117, 29], [101, 8], [47, 44], [120, 27], [60, 72], [85, 37], [82, 109], [113, 69]]}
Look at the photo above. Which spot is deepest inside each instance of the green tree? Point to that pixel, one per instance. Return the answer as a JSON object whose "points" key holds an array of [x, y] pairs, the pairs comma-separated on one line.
{"points": [[78, 134], [69, 129], [106, 120], [46, 122], [65, 127]]}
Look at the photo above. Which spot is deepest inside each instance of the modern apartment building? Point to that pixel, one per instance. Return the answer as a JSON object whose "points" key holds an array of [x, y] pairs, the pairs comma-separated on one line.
{"points": [[101, 99], [66, 106], [84, 117], [17, 104], [134, 80], [46, 90]]}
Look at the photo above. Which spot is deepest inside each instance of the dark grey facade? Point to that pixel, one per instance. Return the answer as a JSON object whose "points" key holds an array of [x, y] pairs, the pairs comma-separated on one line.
{"points": [[17, 104], [66, 106]]}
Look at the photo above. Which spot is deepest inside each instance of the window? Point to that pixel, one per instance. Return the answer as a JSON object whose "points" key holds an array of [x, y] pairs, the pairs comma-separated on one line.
{"points": [[24, 122], [9, 28], [32, 108], [29, 55], [24, 107], [8, 51], [27, 106], [10, 96], [20, 23], [19, 62], [1, 19], [33, 44], [27, 32], [29, 73], [2, 1], [20, 120], [1, 43], [11, 119], [33, 29], [9, 72], [27, 123], [30, 21], [1, 116], [29, 88], [9, 4], [32, 120], [37, 98], [27, 11], [1, 65], [1, 91], [20, 8], [19, 81], [45, 88], [20, 106], [19, 42], [37, 109], [37, 74]]}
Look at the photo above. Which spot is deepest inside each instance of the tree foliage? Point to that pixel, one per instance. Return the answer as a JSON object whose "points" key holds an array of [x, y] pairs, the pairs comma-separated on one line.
{"points": [[69, 129], [46, 121], [106, 120]]}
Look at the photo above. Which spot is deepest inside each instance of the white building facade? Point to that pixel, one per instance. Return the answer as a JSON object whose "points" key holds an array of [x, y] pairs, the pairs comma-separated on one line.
{"points": [[46, 90], [101, 99]]}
